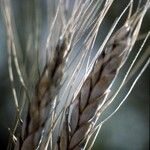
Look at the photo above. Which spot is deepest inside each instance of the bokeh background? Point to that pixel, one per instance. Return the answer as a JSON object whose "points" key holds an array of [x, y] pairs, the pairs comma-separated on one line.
{"points": [[128, 129]]}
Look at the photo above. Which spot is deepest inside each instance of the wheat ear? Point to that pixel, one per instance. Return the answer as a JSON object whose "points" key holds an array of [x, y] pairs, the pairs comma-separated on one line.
{"points": [[93, 93], [47, 87], [45, 92]]}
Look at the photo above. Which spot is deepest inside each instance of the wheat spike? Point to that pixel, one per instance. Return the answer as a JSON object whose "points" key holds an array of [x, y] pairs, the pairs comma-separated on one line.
{"points": [[48, 86], [45, 92], [94, 91]]}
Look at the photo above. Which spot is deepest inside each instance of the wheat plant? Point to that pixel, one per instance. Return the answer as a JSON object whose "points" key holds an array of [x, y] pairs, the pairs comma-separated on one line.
{"points": [[67, 89]]}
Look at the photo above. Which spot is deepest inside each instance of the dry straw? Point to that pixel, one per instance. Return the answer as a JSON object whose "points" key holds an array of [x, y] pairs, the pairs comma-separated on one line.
{"points": [[72, 127]]}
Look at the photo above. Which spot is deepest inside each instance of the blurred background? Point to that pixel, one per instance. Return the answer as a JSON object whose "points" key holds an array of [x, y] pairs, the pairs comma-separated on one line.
{"points": [[128, 129]]}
